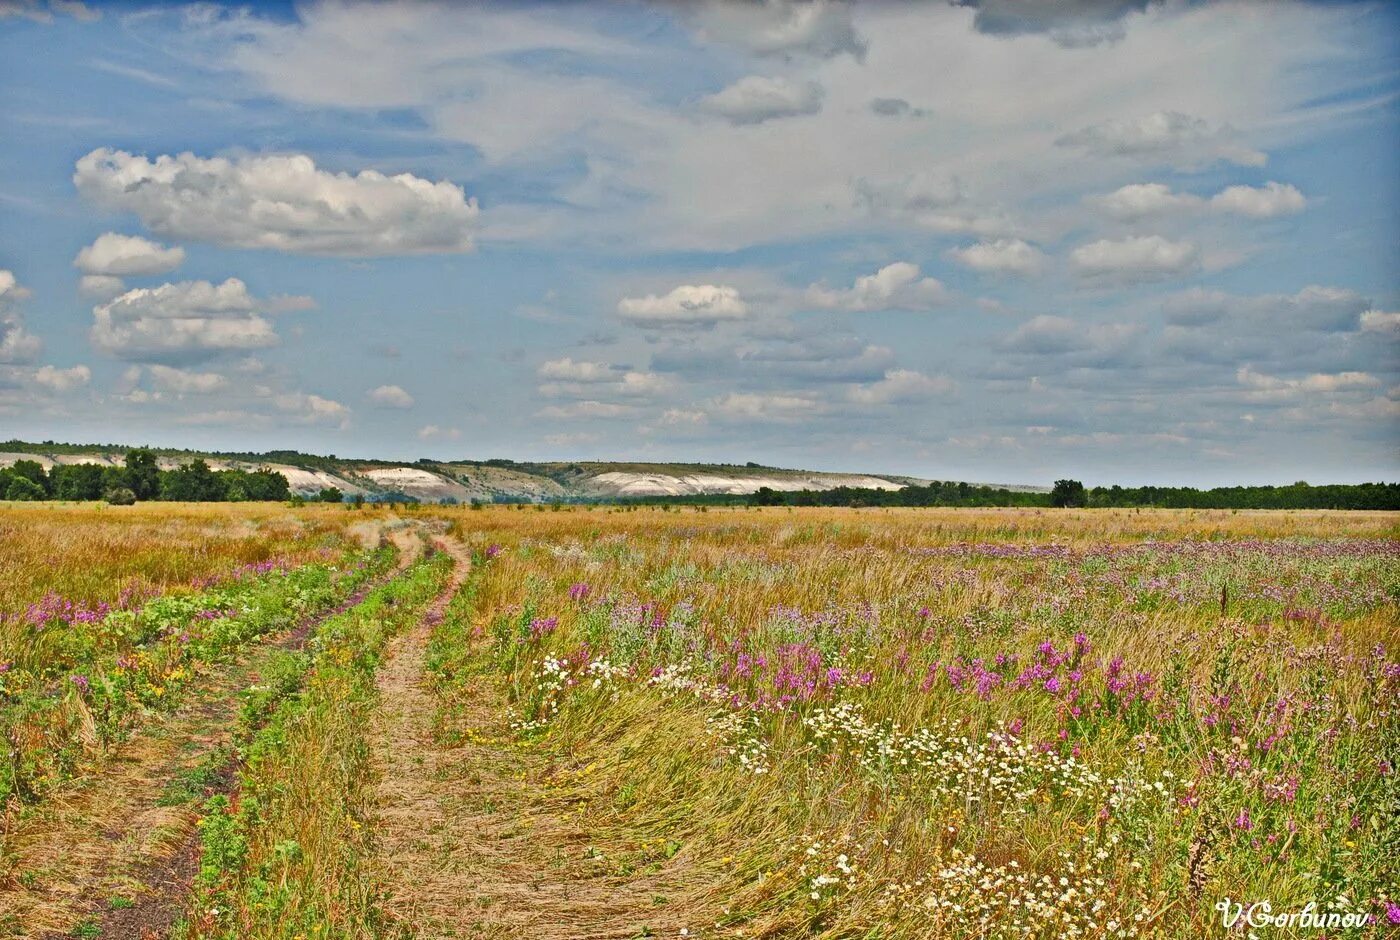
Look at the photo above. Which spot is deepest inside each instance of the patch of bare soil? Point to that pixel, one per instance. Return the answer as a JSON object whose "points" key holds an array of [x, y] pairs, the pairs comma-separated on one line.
{"points": [[471, 844]]}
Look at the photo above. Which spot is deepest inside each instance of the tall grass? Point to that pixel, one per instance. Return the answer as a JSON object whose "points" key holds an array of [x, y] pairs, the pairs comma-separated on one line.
{"points": [[976, 724]]}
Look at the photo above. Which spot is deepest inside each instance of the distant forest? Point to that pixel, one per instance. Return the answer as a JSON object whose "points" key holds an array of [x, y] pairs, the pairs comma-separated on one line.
{"points": [[1070, 493], [140, 479]]}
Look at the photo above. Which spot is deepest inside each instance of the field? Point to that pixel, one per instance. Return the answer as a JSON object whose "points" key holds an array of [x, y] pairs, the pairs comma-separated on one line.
{"points": [[258, 721]]}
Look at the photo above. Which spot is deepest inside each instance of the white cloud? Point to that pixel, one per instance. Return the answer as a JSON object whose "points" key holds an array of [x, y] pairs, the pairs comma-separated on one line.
{"points": [[768, 407], [1324, 309], [1379, 321], [17, 344], [896, 286], [185, 320], [585, 409], [62, 380], [683, 416], [687, 305], [588, 380], [567, 370], [100, 286], [1051, 335], [902, 385], [1262, 202], [818, 28], [281, 202], [431, 432], [1144, 200], [304, 408], [1166, 137], [1140, 200], [1265, 387], [186, 382], [1002, 256], [125, 255], [42, 11], [1137, 258], [756, 98], [390, 396]]}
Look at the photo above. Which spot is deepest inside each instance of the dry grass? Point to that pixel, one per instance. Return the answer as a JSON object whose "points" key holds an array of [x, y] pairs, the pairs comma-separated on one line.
{"points": [[901, 595]]}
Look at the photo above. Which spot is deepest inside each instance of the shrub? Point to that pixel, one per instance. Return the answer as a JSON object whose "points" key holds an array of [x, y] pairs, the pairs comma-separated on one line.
{"points": [[120, 496]]}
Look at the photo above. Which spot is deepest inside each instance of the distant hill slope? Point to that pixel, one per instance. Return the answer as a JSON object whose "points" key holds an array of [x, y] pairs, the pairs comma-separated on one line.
{"points": [[483, 480]]}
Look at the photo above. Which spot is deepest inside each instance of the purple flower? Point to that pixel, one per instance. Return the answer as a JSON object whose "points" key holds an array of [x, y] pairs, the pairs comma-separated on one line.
{"points": [[1392, 912], [81, 682], [542, 626], [578, 591], [492, 551], [1242, 821]]}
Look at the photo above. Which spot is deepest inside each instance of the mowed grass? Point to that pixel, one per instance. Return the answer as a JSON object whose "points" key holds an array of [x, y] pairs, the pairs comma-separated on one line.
{"points": [[963, 724]]}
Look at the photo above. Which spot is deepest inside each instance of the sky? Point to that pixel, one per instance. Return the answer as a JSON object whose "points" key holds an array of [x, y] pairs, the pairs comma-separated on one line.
{"points": [[1119, 240]]}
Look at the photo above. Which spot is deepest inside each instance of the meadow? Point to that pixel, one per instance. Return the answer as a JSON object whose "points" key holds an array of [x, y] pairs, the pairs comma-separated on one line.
{"points": [[624, 722]]}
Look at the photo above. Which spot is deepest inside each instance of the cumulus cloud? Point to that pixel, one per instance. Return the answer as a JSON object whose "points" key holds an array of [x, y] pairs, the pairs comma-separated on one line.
{"points": [[100, 286], [585, 409], [902, 385], [1267, 386], [567, 370], [756, 99], [1001, 256], [1141, 200], [305, 408], [1144, 200], [687, 305], [187, 382], [896, 286], [1134, 259], [570, 379], [784, 28], [680, 417], [390, 396], [431, 432], [1168, 137], [780, 406], [1051, 335], [1260, 202], [1315, 308], [188, 320], [281, 202], [1073, 24], [125, 255], [1379, 321], [62, 380], [17, 344]]}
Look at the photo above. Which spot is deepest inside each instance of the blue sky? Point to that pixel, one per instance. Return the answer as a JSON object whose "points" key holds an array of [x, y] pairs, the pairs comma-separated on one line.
{"points": [[1125, 241]]}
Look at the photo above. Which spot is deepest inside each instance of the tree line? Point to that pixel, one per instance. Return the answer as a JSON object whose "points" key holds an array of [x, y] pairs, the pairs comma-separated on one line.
{"points": [[1072, 493], [140, 479]]}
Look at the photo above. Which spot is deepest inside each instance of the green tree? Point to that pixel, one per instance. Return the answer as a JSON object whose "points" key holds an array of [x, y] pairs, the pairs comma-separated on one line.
{"points": [[1068, 493], [24, 489], [142, 473], [120, 496], [331, 494], [193, 483], [78, 481], [33, 471]]}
